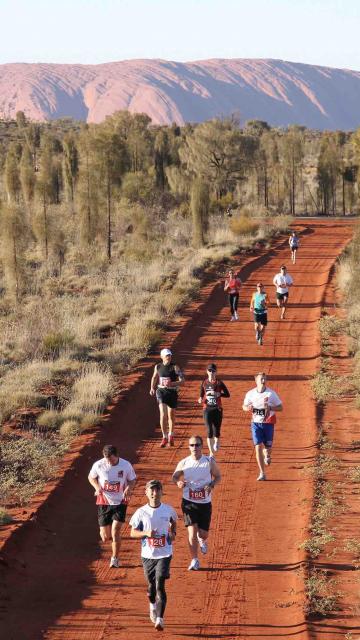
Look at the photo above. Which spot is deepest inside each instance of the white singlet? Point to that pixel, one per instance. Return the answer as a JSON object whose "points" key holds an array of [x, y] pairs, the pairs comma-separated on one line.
{"points": [[157, 519], [282, 282], [112, 479], [258, 400], [197, 474]]}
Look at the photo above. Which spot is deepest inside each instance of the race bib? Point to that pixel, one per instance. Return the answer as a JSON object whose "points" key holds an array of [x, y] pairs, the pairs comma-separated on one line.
{"points": [[211, 399], [112, 487], [165, 382], [157, 542], [259, 412], [197, 494]]}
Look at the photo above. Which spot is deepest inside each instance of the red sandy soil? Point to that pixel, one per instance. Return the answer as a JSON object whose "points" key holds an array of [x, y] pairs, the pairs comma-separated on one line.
{"points": [[340, 419], [56, 583]]}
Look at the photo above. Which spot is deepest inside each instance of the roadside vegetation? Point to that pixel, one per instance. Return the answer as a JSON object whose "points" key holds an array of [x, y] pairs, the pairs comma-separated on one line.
{"points": [[106, 231]]}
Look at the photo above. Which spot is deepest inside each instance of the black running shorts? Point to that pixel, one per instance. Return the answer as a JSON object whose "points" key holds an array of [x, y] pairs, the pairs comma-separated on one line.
{"points": [[168, 397], [156, 568], [261, 317], [213, 419], [282, 296], [195, 513], [107, 513]]}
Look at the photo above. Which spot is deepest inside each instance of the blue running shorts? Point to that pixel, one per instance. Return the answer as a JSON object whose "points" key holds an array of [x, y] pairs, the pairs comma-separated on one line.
{"points": [[262, 433]]}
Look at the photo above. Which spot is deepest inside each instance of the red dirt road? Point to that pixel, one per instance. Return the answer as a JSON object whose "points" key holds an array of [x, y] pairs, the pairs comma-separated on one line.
{"points": [[56, 584]]}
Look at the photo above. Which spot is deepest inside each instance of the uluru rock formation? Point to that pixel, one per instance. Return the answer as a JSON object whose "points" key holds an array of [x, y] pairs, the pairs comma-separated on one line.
{"points": [[277, 91]]}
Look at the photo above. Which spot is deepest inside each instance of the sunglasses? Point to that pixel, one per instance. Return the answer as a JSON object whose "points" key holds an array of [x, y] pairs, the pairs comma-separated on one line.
{"points": [[194, 444]]}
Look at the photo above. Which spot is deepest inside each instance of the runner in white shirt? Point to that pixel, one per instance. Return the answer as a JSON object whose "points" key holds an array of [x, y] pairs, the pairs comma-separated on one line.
{"points": [[282, 281], [155, 525], [113, 479], [196, 475], [263, 402]]}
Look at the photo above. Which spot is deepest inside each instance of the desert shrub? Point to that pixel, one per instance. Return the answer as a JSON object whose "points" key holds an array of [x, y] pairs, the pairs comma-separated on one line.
{"points": [[244, 226], [26, 465], [20, 387], [54, 343], [320, 595], [5, 517], [91, 392], [49, 420], [138, 187]]}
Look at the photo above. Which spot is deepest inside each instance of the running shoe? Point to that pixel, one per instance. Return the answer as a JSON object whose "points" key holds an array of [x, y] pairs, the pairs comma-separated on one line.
{"points": [[159, 624], [114, 563], [267, 457], [216, 446], [262, 476], [236, 316], [171, 441], [153, 613], [232, 318], [164, 442], [194, 565], [203, 545]]}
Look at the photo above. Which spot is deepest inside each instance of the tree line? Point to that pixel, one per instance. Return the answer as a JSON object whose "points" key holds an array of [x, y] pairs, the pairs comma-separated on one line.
{"points": [[63, 182]]}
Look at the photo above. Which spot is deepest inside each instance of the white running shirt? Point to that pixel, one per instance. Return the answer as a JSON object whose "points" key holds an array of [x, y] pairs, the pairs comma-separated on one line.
{"points": [[197, 474], [157, 519], [282, 282], [112, 479], [258, 400]]}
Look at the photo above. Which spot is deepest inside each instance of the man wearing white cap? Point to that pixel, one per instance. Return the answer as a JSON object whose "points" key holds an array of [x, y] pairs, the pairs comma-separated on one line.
{"points": [[166, 379]]}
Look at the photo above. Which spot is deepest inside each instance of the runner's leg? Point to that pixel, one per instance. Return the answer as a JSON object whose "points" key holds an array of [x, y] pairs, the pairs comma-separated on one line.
{"points": [[116, 537], [161, 597], [259, 457], [171, 420], [105, 533], [193, 541], [162, 409]]}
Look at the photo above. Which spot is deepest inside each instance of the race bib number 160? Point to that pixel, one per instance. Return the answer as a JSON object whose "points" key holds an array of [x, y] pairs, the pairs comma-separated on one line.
{"points": [[197, 494]]}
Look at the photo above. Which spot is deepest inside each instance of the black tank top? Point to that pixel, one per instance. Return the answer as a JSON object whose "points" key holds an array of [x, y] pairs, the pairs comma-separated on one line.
{"points": [[166, 373]]}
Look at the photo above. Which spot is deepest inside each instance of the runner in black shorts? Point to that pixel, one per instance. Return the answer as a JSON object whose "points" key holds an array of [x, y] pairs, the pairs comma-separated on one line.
{"points": [[196, 475], [113, 479], [211, 392], [258, 305], [155, 525], [166, 379]]}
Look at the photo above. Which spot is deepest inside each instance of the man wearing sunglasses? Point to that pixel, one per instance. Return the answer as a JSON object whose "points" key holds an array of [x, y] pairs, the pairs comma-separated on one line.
{"points": [[196, 475]]}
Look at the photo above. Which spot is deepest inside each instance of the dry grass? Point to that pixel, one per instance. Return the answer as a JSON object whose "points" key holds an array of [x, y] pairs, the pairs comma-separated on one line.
{"points": [[319, 591], [244, 226]]}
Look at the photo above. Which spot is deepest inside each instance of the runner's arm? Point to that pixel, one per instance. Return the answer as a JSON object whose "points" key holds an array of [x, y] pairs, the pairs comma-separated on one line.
{"points": [[215, 474], [178, 478], [180, 375], [172, 529], [225, 393], [247, 407], [154, 380], [95, 483], [226, 285], [129, 488], [277, 407], [252, 302], [139, 533], [202, 393]]}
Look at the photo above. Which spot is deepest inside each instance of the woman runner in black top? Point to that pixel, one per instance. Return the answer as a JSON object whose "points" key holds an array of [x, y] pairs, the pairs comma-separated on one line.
{"points": [[211, 392], [165, 381]]}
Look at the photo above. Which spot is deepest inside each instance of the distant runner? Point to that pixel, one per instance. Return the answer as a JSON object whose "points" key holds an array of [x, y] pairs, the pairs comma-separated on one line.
{"points": [[258, 305], [211, 392], [113, 479], [155, 525], [263, 402], [294, 242], [282, 282], [232, 287], [196, 475], [166, 379]]}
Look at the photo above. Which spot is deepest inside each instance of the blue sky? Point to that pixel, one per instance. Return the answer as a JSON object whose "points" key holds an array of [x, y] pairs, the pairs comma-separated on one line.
{"points": [[93, 31]]}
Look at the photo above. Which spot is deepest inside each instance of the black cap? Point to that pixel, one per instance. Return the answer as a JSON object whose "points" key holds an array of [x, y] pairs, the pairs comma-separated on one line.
{"points": [[212, 367], [153, 483]]}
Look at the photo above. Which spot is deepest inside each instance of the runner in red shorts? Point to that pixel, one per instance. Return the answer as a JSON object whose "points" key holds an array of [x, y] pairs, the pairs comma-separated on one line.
{"points": [[113, 479]]}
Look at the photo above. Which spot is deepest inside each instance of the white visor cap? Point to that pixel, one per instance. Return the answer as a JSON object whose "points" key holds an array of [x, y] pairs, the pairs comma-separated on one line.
{"points": [[165, 352]]}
